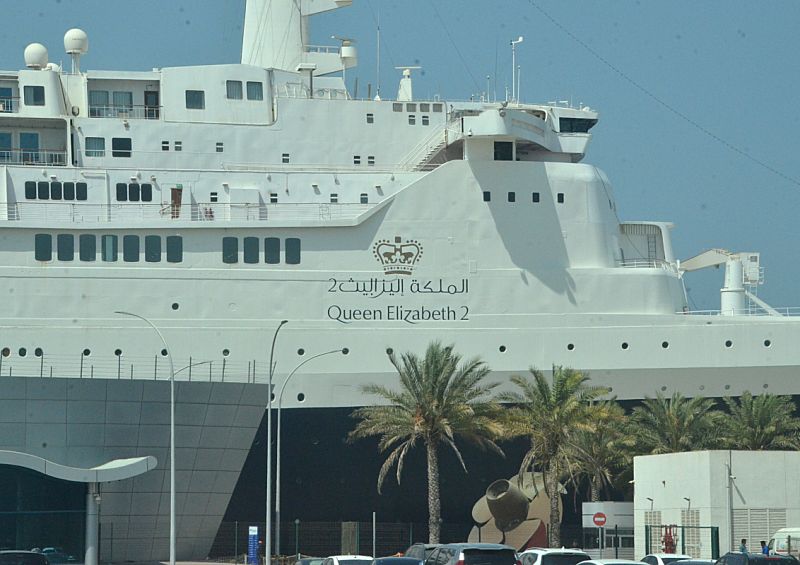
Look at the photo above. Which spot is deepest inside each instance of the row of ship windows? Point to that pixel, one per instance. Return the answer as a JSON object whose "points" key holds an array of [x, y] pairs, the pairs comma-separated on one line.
{"points": [[512, 197], [55, 190], [196, 99], [109, 248], [251, 252], [96, 147]]}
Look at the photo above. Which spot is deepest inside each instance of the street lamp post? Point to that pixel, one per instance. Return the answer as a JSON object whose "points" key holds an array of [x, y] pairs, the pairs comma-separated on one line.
{"points": [[268, 525], [171, 434], [278, 444]]}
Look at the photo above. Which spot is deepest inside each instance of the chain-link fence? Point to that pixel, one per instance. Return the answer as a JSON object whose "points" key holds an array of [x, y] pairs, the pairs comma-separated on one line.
{"points": [[331, 538]]}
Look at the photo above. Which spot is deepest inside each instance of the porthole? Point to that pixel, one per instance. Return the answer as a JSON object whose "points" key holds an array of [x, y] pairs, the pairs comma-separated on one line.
{"points": [[6, 352], [727, 387], [118, 352], [702, 387], [164, 352], [766, 385], [301, 397], [663, 388], [345, 351], [301, 351], [87, 352], [272, 397], [389, 351], [767, 343], [226, 352], [624, 345], [570, 346], [175, 305], [38, 352], [23, 352], [665, 344], [728, 343], [502, 349]]}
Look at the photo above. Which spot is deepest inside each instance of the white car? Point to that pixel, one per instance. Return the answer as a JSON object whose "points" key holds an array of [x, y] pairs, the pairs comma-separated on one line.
{"points": [[347, 560], [664, 558], [563, 556], [610, 562]]}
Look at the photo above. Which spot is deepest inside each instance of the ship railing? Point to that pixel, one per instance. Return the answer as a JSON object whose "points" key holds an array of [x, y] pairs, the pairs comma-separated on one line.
{"points": [[334, 49], [9, 105], [82, 212], [86, 364], [125, 112], [646, 264], [417, 158], [752, 310], [32, 157]]}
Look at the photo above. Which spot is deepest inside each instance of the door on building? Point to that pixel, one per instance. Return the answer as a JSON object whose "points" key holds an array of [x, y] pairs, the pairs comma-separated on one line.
{"points": [[29, 145], [151, 105]]}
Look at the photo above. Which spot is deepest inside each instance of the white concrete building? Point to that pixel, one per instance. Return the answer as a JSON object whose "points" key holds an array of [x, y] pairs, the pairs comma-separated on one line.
{"points": [[747, 494]]}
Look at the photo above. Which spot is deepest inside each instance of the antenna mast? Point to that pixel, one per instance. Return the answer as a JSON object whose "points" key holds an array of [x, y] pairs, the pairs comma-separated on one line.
{"points": [[378, 59]]}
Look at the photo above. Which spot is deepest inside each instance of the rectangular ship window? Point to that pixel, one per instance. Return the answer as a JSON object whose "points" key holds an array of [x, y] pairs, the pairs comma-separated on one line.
{"points": [[560, 197], [174, 249], [34, 95], [512, 196], [134, 192], [95, 146], [30, 190], [230, 250], [109, 248], [424, 107], [370, 118], [356, 159], [65, 246], [147, 192], [273, 197], [272, 250], [87, 244], [285, 158], [122, 192], [130, 248], [292, 251], [487, 196], [121, 146], [412, 119], [251, 250], [43, 247], [503, 150], [195, 99], [56, 191], [69, 191], [437, 107], [364, 198], [255, 90], [81, 191], [426, 120], [396, 107], [371, 160], [234, 89], [152, 248], [411, 107], [535, 197], [179, 146], [334, 198], [220, 147], [165, 146], [43, 191], [213, 197]]}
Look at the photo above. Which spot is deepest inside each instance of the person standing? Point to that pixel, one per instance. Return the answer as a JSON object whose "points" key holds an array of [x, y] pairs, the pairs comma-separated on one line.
{"points": [[743, 546], [764, 548]]}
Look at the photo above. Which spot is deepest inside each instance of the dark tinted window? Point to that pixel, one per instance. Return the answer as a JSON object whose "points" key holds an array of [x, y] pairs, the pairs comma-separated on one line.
{"points": [[650, 560], [251, 250], [152, 248], [122, 192], [272, 250], [81, 191], [489, 557], [230, 250], [130, 248], [66, 247], [292, 251], [55, 190], [575, 125], [87, 247], [503, 150], [20, 558], [147, 192], [43, 248], [109, 248], [30, 190], [174, 249], [133, 192], [69, 191], [121, 147], [564, 558], [44, 190]]}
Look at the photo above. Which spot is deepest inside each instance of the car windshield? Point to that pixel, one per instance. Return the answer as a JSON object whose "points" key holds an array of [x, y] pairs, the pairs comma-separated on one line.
{"points": [[353, 562], [489, 557], [668, 560], [564, 558], [22, 559]]}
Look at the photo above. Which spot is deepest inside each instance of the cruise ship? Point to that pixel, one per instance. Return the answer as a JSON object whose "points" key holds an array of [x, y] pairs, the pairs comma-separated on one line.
{"points": [[218, 201]]}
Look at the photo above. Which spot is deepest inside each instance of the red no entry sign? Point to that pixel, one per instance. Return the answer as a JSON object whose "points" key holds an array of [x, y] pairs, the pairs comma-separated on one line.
{"points": [[599, 519]]}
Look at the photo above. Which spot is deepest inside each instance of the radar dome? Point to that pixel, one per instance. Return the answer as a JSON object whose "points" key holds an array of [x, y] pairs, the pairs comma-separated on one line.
{"points": [[76, 42], [36, 56]]}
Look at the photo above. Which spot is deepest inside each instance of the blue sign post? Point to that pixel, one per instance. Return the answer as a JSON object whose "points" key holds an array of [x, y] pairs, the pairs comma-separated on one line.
{"points": [[252, 545]]}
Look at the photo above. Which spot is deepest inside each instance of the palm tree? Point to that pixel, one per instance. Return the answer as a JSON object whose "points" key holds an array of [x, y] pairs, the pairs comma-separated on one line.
{"points": [[440, 399], [601, 454], [761, 422], [550, 416], [671, 425]]}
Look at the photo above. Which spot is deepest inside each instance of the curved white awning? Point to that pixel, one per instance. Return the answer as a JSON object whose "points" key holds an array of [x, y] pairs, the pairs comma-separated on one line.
{"points": [[115, 470]]}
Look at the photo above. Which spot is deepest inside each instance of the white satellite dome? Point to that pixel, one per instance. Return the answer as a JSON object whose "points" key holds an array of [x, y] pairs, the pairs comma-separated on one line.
{"points": [[76, 42], [36, 56]]}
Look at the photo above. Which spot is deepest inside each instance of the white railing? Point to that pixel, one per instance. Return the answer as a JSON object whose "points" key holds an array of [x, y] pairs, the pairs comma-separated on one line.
{"points": [[438, 138], [791, 311], [322, 49], [82, 212], [32, 157], [125, 112], [9, 105], [645, 264]]}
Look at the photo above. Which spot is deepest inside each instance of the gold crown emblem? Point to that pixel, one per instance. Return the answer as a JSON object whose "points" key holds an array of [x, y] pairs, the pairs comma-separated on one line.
{"points": [[398, 257]]}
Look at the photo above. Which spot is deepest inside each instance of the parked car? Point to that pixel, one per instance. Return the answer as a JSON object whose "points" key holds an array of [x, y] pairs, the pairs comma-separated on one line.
{"points": [[610, 562], [347, 560], [15, 557], [473, 554], [737, 558], [310, 561], [562, 556], [421, 550], [664, 558], [398, 561]]}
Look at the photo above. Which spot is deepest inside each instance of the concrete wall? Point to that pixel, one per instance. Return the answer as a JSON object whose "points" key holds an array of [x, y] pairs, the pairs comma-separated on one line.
{"points": [[765, 496]]}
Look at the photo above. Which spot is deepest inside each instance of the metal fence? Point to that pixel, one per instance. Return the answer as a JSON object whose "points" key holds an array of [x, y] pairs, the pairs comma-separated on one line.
{"points": [[332, 538]]}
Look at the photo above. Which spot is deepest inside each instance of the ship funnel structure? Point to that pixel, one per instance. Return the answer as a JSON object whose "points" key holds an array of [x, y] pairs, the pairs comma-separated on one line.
{"points": [[276, 34], [507, 503]]}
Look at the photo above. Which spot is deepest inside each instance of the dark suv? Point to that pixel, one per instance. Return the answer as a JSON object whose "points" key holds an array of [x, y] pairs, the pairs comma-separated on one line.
{"points": [[473, 554], [736, 558]]}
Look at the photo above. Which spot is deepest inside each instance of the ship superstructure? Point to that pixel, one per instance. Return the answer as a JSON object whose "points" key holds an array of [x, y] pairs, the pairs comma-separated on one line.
{"points": [[219, 200]]}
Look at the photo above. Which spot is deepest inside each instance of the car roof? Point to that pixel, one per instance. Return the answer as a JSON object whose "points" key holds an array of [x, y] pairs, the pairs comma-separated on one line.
{"points": [[490, 546], [669, 555], [363, 557], [611, 562], [398, 559], [545, 551], [6, 551]]}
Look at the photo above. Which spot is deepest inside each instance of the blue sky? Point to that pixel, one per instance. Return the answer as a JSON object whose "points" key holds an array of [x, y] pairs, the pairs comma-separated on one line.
{"points": [[698, 124]]}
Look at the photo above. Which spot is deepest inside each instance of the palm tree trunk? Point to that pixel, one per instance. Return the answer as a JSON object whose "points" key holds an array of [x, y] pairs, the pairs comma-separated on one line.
{"points": [[434, 505], [594, 494], [555, 515]]}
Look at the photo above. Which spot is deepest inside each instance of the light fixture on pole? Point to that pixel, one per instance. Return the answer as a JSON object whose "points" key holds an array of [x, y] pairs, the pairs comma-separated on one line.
{"points": [[344, 351], [268, 525], [514, 43], [171, 433]]}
